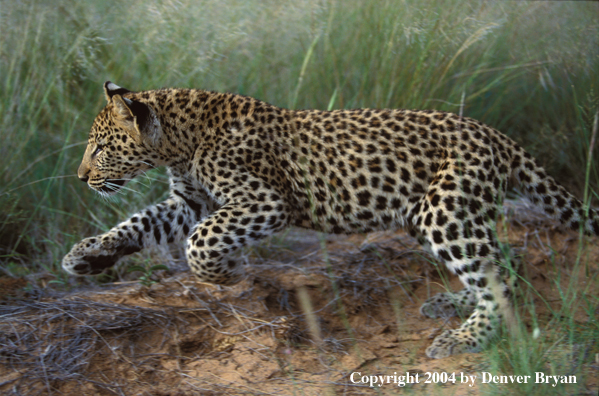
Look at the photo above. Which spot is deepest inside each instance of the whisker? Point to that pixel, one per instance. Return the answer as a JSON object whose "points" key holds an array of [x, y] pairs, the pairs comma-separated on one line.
{"points": [[105, 196], [108, 197], [118, 188], [146, 176], [150, 167], [144, 184], [148, 164], [112, 198]]}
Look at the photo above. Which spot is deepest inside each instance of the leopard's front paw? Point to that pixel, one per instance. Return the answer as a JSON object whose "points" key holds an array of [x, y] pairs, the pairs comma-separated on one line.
{"points": [[93, 255]]}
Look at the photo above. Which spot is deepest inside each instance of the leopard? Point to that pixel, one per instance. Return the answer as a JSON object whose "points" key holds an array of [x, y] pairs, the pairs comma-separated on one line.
{"points": [[241, 170]]}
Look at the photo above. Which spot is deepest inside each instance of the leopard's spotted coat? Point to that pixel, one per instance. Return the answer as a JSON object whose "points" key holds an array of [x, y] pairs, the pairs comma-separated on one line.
{"points": [[241, 169]]}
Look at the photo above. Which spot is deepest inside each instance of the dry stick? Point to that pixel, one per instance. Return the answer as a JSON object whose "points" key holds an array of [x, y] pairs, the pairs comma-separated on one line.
{"points": [[306, 304]]}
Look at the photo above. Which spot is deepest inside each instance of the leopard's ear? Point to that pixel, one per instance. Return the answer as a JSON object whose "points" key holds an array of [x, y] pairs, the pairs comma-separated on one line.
{"points": [[140, 116], [123, 107], [111, 89]]}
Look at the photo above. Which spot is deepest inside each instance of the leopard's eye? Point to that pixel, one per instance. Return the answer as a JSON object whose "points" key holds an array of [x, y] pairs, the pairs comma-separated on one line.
{"points": [[99, 148]]}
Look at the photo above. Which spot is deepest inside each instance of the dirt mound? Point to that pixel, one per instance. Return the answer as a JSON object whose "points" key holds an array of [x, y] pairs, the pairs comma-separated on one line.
{"points": [[313, 310]]}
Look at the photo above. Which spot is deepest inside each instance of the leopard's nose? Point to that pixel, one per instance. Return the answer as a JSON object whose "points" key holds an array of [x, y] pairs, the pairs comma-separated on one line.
{"points": [[83, 172]]}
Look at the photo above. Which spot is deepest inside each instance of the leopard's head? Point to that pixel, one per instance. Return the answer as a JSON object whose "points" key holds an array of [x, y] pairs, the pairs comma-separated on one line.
{"points": [[122, 143]]}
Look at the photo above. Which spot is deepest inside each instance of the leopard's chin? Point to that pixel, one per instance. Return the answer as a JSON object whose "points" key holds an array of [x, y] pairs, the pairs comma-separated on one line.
{"points": [[112, 186]]}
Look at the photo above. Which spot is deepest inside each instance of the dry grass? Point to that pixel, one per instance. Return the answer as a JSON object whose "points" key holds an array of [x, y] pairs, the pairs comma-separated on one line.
{"points": [[44, 343]]}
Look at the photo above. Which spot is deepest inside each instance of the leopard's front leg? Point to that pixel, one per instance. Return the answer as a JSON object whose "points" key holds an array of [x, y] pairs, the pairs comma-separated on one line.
{"points": [[234, 225], [169, 221]]}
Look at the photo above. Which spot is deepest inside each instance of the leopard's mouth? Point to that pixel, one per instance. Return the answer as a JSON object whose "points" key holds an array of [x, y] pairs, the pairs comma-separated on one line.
{"points": [[112, 186]]}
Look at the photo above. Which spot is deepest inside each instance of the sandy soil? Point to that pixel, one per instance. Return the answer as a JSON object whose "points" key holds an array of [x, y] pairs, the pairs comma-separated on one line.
{"points": [[313, 310]]}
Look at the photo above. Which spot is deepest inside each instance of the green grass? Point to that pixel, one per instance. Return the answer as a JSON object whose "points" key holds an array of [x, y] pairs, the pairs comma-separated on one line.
{"points": [[530, 69], [503, 63]]}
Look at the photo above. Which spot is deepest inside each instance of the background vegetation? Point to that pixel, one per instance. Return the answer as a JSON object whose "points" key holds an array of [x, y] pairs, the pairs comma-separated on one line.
{"points": [[530, 69]]}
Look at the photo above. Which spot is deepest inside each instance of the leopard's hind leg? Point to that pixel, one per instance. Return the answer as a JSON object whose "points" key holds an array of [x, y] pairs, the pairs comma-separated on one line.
{"points": [[448, 304], [459, 225], [462, 303]]}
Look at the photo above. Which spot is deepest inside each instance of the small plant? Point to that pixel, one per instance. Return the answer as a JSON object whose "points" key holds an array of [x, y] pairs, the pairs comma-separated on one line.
{"points": [[61, 281], [146, 278]]}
